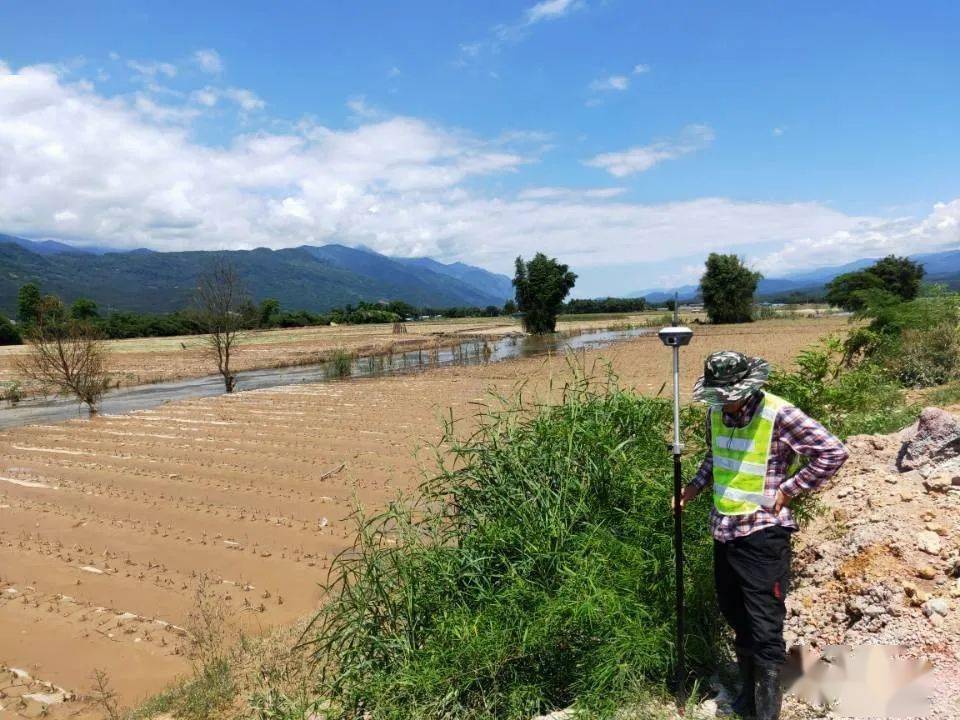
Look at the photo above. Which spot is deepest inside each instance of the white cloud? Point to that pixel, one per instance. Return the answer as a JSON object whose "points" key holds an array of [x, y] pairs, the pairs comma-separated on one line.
{"points": [[207, 96], [641, 69], [614, 82], [209, 61], [152, 68], [643, 157], [550, 10], [246, 99], [75, 164], [777, 131], [360, 108], [872, 237], [562, 193], [394, 72], [514, 32]]}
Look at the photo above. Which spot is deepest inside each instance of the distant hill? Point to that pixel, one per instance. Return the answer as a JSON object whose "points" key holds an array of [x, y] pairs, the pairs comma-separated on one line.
{"points": [[941, 267], [309, 278]]}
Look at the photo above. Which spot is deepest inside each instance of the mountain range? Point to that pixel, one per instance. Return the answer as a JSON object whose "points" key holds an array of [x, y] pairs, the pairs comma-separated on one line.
{"points": [[303, 278], [941, 267]]}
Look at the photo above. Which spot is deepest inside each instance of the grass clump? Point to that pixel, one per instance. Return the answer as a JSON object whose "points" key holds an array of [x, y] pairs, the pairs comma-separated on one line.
{"points": [[534, 571], [340, 364]]}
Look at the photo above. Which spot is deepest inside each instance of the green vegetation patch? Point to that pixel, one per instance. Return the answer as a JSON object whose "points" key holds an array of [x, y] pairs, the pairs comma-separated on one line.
{"points": [[534, 571]]}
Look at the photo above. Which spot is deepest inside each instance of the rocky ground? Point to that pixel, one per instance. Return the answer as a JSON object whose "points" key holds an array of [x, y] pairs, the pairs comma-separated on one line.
{"points": [[881, 565]]}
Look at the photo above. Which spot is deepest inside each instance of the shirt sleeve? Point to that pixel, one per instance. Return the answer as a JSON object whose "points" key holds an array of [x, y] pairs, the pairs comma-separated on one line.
{"points": [[704, 475], [808, 438]]}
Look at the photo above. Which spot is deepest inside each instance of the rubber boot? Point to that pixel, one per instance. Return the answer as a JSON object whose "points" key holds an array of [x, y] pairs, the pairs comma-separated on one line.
{"points": [[769, 695], [744, 705]]}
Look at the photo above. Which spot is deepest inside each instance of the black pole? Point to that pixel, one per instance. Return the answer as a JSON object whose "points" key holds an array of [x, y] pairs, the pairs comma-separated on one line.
{"points": [[678, 568], [675, 337]]}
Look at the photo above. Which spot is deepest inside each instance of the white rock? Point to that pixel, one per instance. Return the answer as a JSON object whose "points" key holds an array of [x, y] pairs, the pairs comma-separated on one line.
{"points": [[929, 542]]}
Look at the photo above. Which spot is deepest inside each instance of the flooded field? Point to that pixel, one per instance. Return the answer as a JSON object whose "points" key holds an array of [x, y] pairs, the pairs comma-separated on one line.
{"points": [[150, 360], [108, 525], [468, 351]]}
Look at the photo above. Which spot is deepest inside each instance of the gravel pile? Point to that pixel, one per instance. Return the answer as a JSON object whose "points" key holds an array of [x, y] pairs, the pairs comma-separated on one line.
{"points": [[882, 564]]}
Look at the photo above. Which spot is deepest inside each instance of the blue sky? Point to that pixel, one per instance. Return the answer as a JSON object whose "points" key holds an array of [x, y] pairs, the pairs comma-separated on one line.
{"points": [[628, 139]]}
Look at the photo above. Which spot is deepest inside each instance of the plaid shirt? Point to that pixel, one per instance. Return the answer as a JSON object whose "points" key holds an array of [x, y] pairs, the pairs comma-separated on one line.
{"points": [[793, 434]]}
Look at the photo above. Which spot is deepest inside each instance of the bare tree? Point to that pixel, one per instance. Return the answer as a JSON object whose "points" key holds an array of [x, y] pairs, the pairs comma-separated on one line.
{"points": [[223, 305], [67, 356]]}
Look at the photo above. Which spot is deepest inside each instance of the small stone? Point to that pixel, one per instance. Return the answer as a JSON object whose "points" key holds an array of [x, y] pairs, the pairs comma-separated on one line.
{"points": [[927, 572], [929, 542], [938, 483], [874, 610], [844, 491], [709, 708], [909, 588], [937, 606], [936, 620], [937, 528]]}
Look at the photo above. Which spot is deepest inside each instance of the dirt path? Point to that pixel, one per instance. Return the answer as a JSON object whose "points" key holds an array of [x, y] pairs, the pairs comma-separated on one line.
{"points": [[106, 525]]}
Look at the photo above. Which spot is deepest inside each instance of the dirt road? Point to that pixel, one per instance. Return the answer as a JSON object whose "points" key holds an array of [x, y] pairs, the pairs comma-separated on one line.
{"points": [[106, 525]]}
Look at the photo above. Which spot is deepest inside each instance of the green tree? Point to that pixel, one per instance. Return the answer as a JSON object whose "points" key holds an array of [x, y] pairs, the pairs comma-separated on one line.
{"points": [[9, 334], [898, 276], [268, 312], [542, 285], [509, 307], [28, 304], [728, 287], [84, 309]]}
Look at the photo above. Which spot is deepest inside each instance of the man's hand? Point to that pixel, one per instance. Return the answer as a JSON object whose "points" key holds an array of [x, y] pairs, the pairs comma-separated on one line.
{"points": [[780, 502], [689, 493]]}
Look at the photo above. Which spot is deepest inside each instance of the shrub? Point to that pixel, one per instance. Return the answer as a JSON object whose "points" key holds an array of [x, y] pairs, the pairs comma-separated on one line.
{"points": [[847, 400], [12, 392], [533, 571], [9, 334], [340, 364], [917, 342]]}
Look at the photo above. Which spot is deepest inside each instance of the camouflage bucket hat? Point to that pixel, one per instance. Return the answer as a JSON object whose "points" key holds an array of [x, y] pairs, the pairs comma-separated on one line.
{"points": [[730, 376]]}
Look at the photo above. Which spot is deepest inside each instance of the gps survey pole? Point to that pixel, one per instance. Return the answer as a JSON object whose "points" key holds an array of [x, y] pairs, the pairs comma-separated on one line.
{"points": [[675, 337]]}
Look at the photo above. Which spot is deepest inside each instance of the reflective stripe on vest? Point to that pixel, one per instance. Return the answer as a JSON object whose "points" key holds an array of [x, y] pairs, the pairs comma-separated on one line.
{"points": [[740, 457]]}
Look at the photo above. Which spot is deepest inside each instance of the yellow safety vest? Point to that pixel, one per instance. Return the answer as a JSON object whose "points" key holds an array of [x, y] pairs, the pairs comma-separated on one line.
{"points": [[740, 457]]}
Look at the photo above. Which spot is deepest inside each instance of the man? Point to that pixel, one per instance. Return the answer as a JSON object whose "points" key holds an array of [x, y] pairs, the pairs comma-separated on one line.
{"points": [[753, 441]]}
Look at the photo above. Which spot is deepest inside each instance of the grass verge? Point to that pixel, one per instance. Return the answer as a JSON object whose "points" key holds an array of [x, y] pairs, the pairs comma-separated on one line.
{"points": [[531, 573]]}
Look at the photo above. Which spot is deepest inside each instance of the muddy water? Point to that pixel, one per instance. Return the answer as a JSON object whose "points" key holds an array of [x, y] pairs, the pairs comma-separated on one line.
{"points": [[469, 352]]}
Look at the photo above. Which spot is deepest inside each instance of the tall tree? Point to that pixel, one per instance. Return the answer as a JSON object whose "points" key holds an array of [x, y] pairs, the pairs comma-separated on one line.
{"points": [[28, 304], [542, 284], [223, 306], [728, 287], [268, 312], [899, 276], [84, 309]]}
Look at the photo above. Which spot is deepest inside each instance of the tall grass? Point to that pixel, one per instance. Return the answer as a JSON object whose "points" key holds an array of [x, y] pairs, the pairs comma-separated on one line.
{"points": [[534, 570], [340, 364]]}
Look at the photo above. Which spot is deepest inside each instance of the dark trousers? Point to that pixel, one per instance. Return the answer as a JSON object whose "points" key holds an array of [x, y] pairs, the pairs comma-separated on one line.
{"points": [[752, 575]]}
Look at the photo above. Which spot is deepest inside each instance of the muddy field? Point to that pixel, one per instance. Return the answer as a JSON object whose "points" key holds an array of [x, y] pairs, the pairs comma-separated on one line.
{"points": [[107, 526]]}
